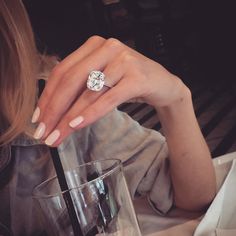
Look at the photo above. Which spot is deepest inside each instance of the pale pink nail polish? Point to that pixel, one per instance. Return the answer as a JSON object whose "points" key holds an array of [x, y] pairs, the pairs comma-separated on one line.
{"points": [[36, 115], [39, 132], [77, 121], [52, 138]]}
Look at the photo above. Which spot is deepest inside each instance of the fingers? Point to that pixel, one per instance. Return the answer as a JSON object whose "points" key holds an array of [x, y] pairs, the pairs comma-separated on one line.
{"points": [[114, 72], [106, 103], [63, 129], [91, 106], [87, 103], [56, 76], [90, 45], [57, 101]]}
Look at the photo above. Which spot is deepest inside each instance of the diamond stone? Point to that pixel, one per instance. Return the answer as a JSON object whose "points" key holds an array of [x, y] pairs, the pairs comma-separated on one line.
{"points": [[96, 80]]}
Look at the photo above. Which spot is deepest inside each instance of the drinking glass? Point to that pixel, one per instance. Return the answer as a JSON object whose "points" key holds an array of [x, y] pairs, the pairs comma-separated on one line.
{"points": [[100, 197]]}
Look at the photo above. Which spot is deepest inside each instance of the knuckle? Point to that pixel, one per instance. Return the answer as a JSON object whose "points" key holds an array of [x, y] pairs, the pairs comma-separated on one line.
{"points": [[65, 79], [113, 43], [50, 111], [56, 71], [89, 96], [96, 39], [112, 98], [126, 57]]}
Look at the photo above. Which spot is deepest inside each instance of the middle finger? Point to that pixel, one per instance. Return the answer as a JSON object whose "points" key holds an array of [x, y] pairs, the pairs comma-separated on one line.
{"points": [[73, 84]]}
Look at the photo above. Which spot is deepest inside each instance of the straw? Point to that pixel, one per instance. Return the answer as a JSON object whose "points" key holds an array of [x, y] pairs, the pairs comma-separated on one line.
{"points": [[62, 180], [66, 194]]}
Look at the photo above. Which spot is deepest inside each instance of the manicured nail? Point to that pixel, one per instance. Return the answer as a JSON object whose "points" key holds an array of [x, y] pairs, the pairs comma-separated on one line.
{"points": [[39, 132], [52, 138], [77, 121], [35, 116]]}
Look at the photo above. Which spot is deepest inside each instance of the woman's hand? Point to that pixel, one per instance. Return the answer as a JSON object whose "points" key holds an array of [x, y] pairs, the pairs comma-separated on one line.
{"points": [[67, 104]]}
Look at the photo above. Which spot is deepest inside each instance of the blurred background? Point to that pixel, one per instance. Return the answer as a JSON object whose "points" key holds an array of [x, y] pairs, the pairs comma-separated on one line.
{"points": [[193, 39]]}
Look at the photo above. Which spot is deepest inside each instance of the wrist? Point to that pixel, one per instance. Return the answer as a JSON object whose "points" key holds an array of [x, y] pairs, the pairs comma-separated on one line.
{"points": [[181, 98], [179, 112]]}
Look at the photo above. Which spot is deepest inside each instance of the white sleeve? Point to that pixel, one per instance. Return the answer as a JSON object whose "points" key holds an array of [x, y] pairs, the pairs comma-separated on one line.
{"points": [[143, 153]]}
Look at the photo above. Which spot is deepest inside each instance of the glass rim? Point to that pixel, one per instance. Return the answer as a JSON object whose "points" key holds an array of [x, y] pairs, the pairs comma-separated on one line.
{"points": [[39, 195]]}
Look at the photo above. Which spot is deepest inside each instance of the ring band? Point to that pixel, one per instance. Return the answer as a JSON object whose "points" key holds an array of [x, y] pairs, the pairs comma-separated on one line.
{"points": [[96, 81]]}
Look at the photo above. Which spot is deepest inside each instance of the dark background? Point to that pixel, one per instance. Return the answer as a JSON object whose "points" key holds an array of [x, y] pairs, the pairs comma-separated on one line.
{"points": [[193, 39]]}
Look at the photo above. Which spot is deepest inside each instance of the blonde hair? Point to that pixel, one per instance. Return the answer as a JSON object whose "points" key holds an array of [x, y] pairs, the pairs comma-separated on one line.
{"points": [[19, 66]]}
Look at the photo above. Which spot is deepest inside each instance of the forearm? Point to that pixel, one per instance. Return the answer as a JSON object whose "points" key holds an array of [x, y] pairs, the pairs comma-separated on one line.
{"points": [[191, 166]]}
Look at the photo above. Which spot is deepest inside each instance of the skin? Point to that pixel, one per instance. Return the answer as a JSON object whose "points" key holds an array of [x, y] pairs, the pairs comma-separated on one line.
{"points": [[133, 77]]}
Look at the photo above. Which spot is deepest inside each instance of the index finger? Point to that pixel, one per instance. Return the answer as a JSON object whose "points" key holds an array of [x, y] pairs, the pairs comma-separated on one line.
{"points": [[90, 45]]}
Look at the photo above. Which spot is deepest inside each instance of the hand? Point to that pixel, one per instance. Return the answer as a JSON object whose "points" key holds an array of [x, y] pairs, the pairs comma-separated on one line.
{"points": [[67, 105]]}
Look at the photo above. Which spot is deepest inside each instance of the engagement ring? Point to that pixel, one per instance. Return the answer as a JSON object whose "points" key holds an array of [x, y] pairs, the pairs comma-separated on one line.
{"points": [[96, 81]]}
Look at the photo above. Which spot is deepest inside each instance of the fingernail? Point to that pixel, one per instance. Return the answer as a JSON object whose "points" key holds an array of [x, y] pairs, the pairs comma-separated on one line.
{"points": [[39, 132], [78, 120], [52, 138], [35, 116]]}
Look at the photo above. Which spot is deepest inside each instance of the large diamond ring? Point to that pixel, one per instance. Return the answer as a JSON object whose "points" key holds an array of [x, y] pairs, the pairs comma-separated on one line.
{"points": [[96, 81]]}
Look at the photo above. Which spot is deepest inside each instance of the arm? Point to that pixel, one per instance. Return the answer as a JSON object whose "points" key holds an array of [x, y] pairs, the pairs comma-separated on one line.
{"points": [[192, 172]]}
